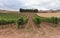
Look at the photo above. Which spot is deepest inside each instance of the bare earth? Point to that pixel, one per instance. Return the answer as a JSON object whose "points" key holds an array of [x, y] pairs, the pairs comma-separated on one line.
{"points": [[49, 14], [46, 30]]}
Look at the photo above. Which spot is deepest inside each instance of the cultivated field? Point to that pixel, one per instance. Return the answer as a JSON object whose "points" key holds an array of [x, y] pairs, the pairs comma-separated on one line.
{"points": [[49, 14], [29, 30]]}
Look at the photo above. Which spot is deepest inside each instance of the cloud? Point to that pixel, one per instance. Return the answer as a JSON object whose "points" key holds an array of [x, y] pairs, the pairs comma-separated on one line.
{"points": [[39, 4]]}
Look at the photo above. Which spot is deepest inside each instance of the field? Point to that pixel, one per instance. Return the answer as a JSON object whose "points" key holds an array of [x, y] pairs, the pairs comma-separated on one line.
{"points": [[29, 30], [49, 14]]}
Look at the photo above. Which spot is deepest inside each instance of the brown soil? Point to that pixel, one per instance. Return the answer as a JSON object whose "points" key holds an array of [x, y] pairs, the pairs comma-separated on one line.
{"points": [[46, 30]]}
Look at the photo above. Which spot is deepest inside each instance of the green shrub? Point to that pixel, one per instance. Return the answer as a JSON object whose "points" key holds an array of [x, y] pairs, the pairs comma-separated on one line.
{"points": [[37, 19], [54, 20], [8, 18], [2, 22], [59, 19], [6, 21], [21, 21], [43, 19]]}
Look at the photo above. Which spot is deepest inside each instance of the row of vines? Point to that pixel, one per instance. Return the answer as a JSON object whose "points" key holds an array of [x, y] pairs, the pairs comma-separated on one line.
{"points": [[21, 20], [38, 20]]}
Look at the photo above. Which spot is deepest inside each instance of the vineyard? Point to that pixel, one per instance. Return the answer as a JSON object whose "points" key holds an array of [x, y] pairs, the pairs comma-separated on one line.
{"points": [[32, 23], [8, 18]]}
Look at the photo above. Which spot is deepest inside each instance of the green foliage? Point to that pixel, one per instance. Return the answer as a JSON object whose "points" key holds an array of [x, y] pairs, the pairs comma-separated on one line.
{"points": [[59, 19], [54, 20], [37, 19], [21, 21], [7, 18], [28, 10]]}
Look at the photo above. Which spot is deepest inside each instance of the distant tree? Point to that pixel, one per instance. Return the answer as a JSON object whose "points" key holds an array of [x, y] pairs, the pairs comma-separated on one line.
{"points": [[28, 10], [36, 10]]}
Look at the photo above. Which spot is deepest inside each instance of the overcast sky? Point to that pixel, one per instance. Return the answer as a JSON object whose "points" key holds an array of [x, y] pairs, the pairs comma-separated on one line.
{"points": [[38, 4]]}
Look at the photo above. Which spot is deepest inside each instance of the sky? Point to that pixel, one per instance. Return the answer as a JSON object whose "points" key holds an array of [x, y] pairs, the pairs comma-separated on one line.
{"points": [[30, 4]]}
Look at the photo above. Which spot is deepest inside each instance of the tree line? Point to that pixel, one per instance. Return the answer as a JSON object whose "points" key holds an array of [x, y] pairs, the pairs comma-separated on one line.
{"points": [[28, 10]]}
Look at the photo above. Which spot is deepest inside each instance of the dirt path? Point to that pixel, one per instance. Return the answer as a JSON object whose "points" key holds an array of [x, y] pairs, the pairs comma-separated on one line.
{"points": [[30, 23]]}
